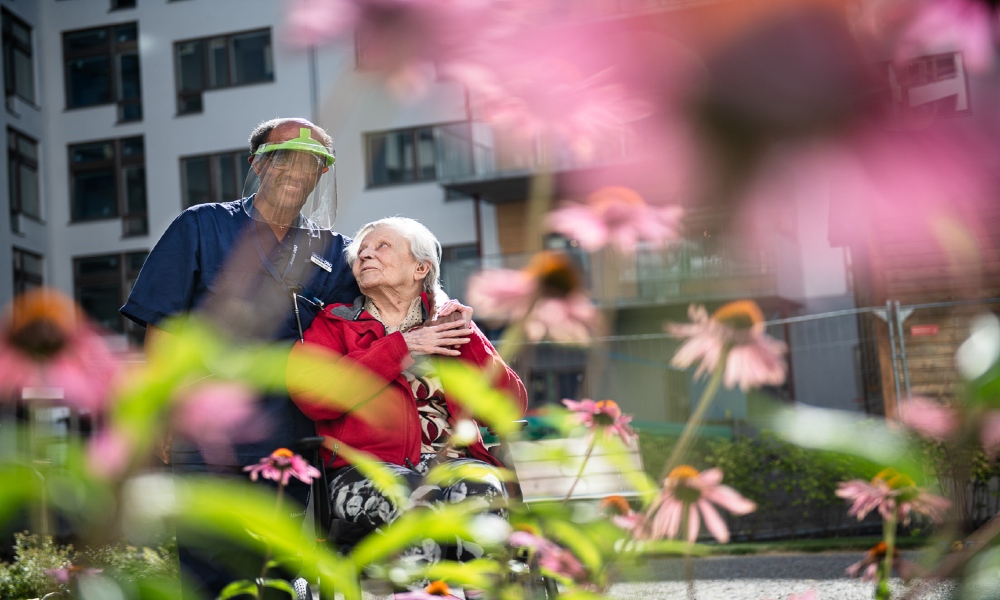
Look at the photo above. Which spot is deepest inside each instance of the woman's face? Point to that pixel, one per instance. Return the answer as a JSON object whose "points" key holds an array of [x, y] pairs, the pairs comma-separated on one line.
{"points": [[384, 261]]}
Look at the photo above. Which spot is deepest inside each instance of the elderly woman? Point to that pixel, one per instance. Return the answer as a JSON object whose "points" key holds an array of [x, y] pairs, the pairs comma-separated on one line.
{"points": [[407, 423]]}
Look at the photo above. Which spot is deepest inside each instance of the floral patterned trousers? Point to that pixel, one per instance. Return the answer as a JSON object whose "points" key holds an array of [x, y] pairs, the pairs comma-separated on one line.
{"points": [[355, 499]]}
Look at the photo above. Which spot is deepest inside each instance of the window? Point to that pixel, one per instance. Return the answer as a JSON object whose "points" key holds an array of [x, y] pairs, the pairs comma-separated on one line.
{"points": [[214, 177], [102, 67], [27, 271], [101, 285], [108, 180], [419, 154], [119, 4], [18, 70], [220, 62], [927, 86], [22, 175]]}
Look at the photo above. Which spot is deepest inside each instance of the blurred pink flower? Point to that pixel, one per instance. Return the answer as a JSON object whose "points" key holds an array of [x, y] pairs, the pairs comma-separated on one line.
{"points": [[551, 556], [894, 494], [69, 572], [546, 297], [754, 358], [433, 591], [547, 78], [45, 341], [616, 215], [621, 513], [966, 26], [867, 567], [938, 421], [215, 414], [406, 41], [281, 466], [688, 494], [109, 453], [928, 418], [604, 416]]}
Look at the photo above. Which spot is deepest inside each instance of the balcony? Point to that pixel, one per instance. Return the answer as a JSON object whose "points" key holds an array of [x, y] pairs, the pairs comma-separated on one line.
{"points": [[683, 274], [494, 166]]}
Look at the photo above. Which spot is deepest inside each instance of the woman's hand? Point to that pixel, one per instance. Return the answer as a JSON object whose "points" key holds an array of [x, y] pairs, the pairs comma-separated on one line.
{"points": [[440, 338], [450, 308]]}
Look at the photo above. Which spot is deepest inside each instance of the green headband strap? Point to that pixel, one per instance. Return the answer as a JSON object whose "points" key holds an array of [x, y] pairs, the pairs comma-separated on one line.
{"points": [[303, 143]]}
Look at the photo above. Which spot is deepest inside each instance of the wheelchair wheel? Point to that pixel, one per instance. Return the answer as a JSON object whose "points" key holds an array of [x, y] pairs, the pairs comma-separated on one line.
{"points": [[302, 589]]}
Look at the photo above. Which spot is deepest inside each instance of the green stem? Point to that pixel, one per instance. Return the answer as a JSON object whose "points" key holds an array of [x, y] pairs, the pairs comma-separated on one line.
{"points": [[691, 428], [882, 591], [267, 551], [583, 464]]}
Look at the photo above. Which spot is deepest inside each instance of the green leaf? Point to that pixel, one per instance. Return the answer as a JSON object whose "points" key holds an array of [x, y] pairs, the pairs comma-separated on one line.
{"points": [[413, 526], [480, 573], [386, 481], [238, 588], [447, 473], [572, 537], [277, 584], [471, 387]]}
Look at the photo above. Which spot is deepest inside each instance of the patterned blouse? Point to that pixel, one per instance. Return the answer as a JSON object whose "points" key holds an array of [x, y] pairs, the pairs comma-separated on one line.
{"points": [[427, 390]]}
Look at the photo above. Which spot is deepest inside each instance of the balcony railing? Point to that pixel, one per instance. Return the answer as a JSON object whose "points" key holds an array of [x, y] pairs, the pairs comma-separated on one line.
{"points": [[683, 273]]}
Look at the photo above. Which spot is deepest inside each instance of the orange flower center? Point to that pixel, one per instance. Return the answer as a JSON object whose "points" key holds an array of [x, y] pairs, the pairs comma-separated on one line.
{"points": [[616, 504], [557, 276], [894, 479], [438, 588], [41, 322], [615, 195], [740, 315], [282, 453], [608, 412], [683, 472], [682, 491]]}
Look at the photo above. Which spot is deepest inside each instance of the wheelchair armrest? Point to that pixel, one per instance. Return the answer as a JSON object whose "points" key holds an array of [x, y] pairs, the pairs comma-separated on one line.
{"points": [[308, 444]]}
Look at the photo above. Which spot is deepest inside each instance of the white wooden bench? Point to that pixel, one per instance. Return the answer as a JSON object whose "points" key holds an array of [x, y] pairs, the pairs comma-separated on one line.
{"points": [[546, 469]]}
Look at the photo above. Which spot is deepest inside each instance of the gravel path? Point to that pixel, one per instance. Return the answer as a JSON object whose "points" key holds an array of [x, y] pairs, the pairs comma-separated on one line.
{"points": [[756, 577]]}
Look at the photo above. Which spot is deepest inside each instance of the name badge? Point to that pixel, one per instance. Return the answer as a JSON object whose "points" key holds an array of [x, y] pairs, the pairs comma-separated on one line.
{"points": [[322, 263]]}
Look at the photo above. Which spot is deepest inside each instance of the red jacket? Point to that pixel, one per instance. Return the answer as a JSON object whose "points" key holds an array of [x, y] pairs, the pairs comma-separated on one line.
{"points": [[379, 417]]}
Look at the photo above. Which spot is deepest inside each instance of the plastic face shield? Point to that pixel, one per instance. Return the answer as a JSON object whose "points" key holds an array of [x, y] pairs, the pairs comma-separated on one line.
{"points": [[294, 182]]}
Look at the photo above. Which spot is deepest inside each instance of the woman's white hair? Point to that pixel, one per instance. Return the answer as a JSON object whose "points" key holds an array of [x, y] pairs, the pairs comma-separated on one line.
{"points": [[424, 247]]}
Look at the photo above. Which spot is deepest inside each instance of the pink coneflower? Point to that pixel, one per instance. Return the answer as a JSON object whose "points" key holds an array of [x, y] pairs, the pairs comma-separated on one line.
{"points": [[551, 556], [281, 466], [546, 297], [70, 572], [435, 590], [621, 513], [45, 341], [894, 494], [619, 216], [690, 495], [867, 567], [754, 358], [604, 416]]}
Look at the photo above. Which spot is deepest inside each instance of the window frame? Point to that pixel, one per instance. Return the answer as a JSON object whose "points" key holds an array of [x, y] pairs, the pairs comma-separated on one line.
{"points": [[12, 45], [113, 51], [438, 130], [120, 165], [15, 160], [215, 189], [24, 280], [208, 83], [123, 279]]}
